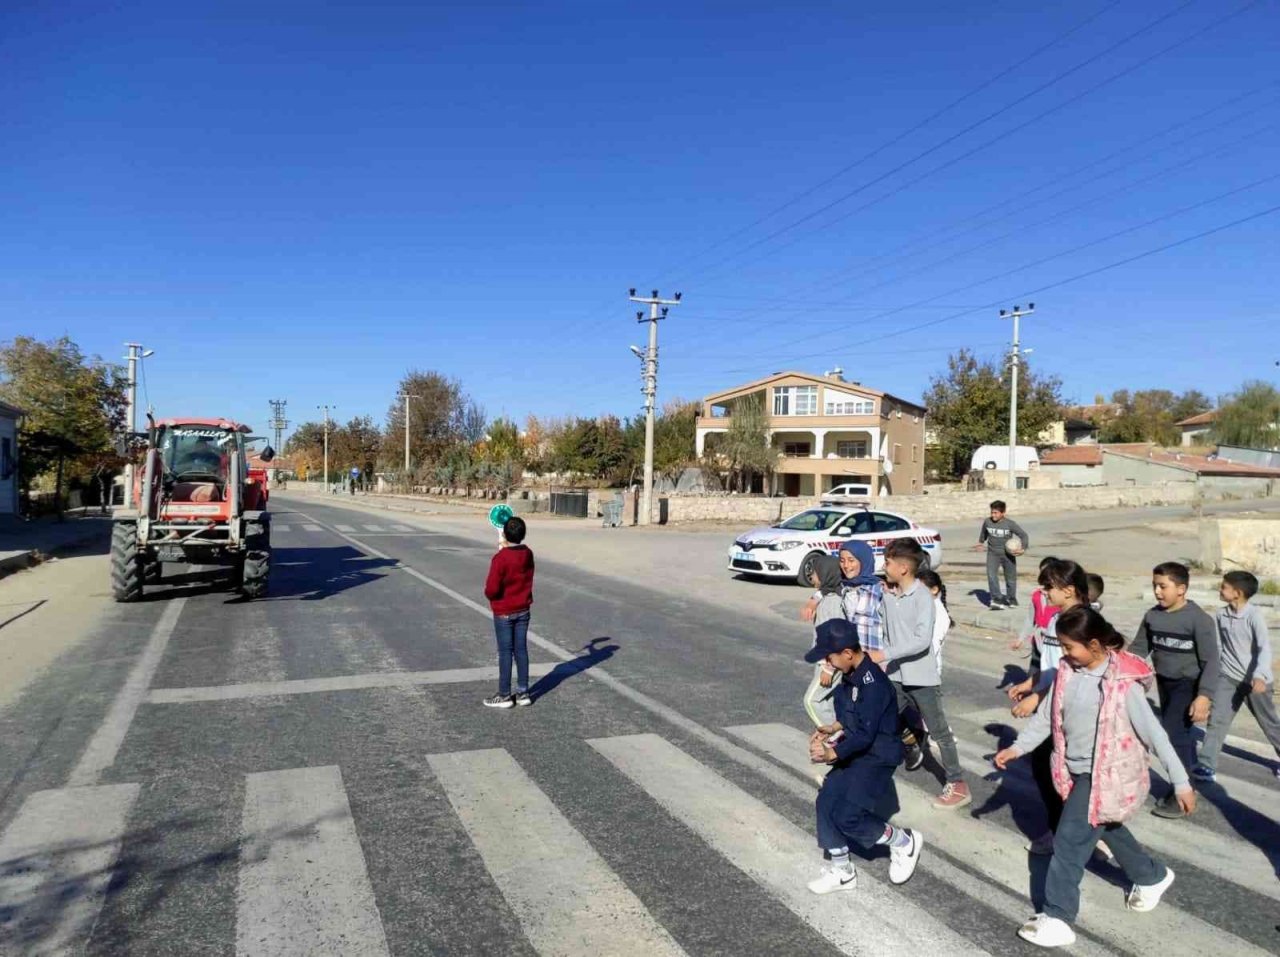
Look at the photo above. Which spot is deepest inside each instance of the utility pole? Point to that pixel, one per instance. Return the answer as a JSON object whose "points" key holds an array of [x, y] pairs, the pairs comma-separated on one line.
{"points": [[650, 390], [136, 354], [326, 442], [1014, 354], [278, 422], [406, 397]]}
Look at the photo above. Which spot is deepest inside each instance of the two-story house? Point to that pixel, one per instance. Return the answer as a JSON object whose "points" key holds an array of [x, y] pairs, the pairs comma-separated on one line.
{"points": [[825, 432]]}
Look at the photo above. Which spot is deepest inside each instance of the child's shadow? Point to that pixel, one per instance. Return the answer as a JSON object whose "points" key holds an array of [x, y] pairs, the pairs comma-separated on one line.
{"points": [[1013, 674], [589, 655]]}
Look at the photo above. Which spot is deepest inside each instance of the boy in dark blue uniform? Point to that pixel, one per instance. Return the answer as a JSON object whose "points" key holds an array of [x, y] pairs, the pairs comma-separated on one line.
{"points": [[863, 748]]}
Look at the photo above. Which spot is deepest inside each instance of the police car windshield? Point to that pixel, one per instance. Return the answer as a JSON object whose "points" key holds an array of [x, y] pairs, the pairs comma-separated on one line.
{"points": [[814, 520]]}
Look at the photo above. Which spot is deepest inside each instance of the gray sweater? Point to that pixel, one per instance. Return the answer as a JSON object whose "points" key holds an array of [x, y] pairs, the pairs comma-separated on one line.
{"points": [[997, 534], [1246, 647], [1181, 644], [908, 637], [1080, 726]]}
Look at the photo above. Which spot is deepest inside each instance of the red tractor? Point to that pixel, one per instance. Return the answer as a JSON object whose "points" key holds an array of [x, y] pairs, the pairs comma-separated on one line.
{"points": [[194, 501]]}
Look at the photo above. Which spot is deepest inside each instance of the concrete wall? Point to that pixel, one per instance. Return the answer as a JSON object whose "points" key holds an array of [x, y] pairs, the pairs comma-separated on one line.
{"points": [[1263, 457], [952, 507], [1252, 544], [1123, 470], [1074, 476]]}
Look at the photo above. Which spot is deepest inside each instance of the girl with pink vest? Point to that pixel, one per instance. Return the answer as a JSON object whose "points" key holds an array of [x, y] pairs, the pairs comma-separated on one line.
{"points": [[1102, 730]]}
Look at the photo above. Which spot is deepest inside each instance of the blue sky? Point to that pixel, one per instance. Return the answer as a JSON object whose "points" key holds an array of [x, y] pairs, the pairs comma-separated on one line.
{"points": [[302, 201]]}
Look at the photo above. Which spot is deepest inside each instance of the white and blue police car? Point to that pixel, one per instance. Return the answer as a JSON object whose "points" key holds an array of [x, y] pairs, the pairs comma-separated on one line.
{"points": [[787, 550]]}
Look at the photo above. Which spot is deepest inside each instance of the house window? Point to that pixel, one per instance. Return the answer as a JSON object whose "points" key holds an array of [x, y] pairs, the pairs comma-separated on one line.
{"points": [[850, 407], [897, 454], [915, 452], [806, 400], [853, 449], [796, 450], [781, 401]]}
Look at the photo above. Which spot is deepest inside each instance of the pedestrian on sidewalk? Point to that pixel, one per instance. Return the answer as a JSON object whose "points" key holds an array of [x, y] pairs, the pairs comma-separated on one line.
{"points": [[1102, 730], [1064, 585], [825, 578], [863, 748], [509, 588], [1245, 676], [909, 662], [997, 531], [1180, 639]]}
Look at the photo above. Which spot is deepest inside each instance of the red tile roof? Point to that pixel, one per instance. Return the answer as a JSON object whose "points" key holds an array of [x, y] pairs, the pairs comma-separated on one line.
{"points": [[1204, 418], [1073, 455]]}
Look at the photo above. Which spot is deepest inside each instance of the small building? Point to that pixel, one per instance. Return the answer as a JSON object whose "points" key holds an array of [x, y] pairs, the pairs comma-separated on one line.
{"points": [[1196, 429], [826, 431], [10, 415], [1074, 466], [1269, 458], [1123, 465]]}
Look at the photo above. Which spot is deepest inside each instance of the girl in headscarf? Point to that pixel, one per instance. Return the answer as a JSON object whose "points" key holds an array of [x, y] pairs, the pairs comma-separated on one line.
{"points": [[863, 593], [825, 577]]}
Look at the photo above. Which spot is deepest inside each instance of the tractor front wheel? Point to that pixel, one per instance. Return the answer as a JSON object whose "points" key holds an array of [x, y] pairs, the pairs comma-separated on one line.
{"points": [[126, 564], [255, 567]]}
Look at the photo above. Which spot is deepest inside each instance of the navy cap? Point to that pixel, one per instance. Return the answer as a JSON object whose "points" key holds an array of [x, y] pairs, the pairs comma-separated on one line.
{"points": [[832, 636]]}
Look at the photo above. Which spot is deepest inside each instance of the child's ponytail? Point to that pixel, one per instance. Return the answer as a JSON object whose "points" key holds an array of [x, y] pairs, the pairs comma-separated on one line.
{"points": [[1082, 625]]}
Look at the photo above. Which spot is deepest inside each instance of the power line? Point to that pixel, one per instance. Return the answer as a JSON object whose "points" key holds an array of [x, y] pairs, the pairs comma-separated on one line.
{"points": [[987, 143]]}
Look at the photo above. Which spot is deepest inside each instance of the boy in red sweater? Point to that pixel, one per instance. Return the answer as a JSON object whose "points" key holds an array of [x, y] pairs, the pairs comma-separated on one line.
{"points": [[509, 589]]}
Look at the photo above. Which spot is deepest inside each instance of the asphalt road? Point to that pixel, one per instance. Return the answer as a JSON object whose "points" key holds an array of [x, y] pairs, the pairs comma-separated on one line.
{"points": [[313, 773]]}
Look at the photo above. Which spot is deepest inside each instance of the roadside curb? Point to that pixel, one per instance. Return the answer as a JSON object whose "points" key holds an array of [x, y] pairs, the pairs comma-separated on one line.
{"points": [[28, 558]]}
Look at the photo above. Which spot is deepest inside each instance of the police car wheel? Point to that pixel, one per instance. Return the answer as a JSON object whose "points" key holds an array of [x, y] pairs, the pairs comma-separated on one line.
{"points": [[806, 569]]}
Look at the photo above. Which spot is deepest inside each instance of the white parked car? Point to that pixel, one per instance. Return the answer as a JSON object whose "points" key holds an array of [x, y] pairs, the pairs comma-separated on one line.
{"points": [[847, 493], [787, 550]]}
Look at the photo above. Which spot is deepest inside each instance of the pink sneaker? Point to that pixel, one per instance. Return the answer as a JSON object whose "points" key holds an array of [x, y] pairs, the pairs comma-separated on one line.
{"points": [[955, 794]]}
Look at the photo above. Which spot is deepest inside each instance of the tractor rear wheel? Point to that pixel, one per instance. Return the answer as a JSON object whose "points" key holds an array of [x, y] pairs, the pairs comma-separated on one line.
{"points": [[126, 563], [255, 568]]}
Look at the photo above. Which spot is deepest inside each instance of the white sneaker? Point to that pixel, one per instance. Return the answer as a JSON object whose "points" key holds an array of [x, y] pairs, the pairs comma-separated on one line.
{"points": [[903, 860], [1144, 898], [1045, 931], [834, 880]]}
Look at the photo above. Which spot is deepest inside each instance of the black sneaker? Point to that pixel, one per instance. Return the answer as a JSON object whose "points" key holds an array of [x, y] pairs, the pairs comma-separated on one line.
{"points": [[1011, 603], [1169, 808], [500, 701], [915, 757], [522, 699]]}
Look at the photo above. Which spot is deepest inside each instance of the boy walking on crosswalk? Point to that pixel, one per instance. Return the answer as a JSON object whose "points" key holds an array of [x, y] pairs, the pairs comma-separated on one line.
{"points": [[863, 748]]}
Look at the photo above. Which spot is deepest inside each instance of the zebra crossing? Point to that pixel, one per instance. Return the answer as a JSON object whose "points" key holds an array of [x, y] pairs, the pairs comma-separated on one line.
{"points": [[303, 884], [396, 529]]}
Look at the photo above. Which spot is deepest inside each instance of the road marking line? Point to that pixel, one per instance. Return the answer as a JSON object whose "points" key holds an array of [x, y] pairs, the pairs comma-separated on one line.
{"points": [[388, 679], [403, 528], [101, 751], [1238, 861], [1257, 797], [303, 886], [344, 528], [374, 528], [279, 528], [57, 859], [997, 854], [778, 855], [545, 869], [311, 528]]}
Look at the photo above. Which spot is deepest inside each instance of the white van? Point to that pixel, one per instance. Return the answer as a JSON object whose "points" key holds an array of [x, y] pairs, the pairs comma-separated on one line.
{"points": [[990, 458], [848, 492]]}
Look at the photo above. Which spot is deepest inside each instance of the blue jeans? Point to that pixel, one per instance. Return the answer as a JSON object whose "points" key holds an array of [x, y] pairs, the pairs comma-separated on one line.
{"points": [[1074, 842], [511, 632]]}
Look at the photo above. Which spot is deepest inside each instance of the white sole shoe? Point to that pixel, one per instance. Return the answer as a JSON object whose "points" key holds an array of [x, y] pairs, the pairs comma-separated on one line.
{"points": [[1144, 898], [832, 881], [903, 860], [1045, 931]]}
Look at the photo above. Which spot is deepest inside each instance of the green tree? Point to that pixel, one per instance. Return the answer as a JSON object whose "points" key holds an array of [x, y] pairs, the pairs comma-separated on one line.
{"points": [[969, 406], [1249, 417], [1151, 415], [436, 418], [75, 408], [674, 439], [744, 450], [305, 449], [356, 444]]}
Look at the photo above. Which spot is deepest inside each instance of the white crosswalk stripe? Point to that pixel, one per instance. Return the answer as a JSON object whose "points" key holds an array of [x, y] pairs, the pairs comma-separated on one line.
{"points": [[997, 853], [311, 528], [778, 855], [303, 886], [277, 527], [403, 528], [56, 860], [544, 868], [374, 528], [345, 528]]}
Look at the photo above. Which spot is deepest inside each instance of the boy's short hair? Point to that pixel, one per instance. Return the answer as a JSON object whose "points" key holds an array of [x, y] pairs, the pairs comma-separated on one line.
{"points": [[1176, 572], [1246, 583], [907, 550], [1096, 585], [514, 530], [998, 506]]}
